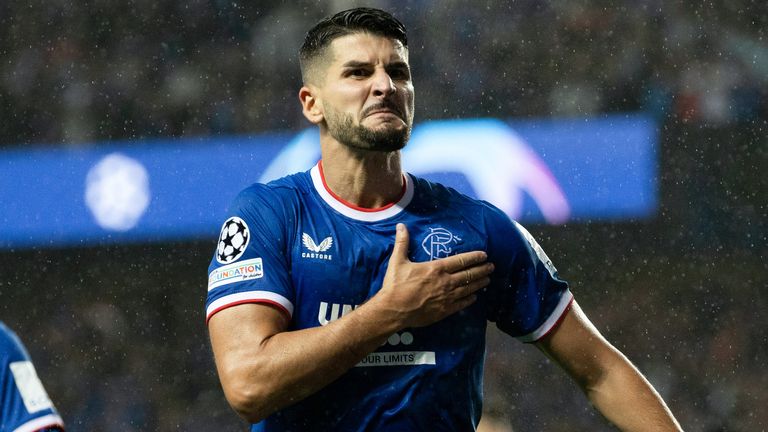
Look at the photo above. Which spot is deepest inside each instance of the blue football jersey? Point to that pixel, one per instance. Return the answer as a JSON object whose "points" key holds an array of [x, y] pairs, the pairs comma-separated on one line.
{"points": [[24, 404], [295, 245]]}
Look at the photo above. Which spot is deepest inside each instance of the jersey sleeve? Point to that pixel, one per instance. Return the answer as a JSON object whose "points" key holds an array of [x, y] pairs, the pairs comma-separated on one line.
{"points": [[527, 298], [26, 406], [250, 263]]}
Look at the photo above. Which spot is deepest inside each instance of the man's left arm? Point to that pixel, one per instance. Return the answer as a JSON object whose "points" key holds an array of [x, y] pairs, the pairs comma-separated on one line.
{"points": [[611, 382]]}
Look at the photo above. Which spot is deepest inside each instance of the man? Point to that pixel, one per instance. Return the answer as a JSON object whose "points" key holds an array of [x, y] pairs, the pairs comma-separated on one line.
{"points": [[319, 321], [24, 404]]}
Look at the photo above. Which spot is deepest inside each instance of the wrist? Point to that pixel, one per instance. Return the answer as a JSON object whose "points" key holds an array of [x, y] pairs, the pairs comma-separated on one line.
{"points": [[378, 315]]}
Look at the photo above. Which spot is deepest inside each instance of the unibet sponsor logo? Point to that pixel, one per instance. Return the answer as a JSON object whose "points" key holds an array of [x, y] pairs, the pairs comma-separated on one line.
{"points": [[328, 312], [246, 270], [336, 311], [405, 338]]}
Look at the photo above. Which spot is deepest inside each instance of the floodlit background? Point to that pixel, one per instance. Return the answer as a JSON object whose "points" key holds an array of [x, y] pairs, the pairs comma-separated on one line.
{"points": [[116, 328]]}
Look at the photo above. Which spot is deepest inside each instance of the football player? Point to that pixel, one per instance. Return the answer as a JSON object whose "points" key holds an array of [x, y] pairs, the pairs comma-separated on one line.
{"points": [[24, 403], [355, 296]]}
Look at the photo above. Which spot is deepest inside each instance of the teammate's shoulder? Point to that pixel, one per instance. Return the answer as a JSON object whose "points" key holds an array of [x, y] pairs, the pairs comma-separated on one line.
{"points": [[10, 344], [6, 334]]}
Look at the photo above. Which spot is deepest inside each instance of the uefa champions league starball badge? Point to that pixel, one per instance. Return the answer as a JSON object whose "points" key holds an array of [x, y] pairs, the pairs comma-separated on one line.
{"points": [[233, 240]]}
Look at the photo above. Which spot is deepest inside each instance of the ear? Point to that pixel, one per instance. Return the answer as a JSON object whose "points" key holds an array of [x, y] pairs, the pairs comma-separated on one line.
{"points": [[310, 106]]}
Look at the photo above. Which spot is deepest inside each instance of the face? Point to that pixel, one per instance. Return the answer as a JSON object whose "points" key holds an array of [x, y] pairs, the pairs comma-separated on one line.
{"points": [[366, 96]]}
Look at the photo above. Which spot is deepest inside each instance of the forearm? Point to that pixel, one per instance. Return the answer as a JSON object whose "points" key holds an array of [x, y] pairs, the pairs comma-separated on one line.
{"points": [[629, 401], [289, 366], [610, 381]]}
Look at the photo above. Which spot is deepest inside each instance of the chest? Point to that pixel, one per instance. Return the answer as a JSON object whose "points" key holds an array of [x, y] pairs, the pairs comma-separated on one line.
{"points": [[337, 264]]}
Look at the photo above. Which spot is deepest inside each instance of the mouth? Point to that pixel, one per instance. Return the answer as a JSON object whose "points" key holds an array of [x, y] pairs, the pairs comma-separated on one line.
{"points": [[387, 110]]}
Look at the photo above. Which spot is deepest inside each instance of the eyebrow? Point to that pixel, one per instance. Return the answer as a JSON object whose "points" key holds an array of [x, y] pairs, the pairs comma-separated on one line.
{"points": [[356, 64]]}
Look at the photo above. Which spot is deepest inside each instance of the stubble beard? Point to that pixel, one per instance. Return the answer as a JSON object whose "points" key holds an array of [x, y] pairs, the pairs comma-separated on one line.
{"points": [[343, 128]]}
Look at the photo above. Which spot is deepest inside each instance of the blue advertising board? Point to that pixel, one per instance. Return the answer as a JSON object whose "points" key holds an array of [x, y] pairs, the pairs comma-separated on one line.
{"points": [[537, 171]]}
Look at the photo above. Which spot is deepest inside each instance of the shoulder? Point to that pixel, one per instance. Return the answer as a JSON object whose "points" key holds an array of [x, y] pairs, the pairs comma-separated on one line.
{"points": [[11, 347], [264, 211], [6, 335], [436, 195], [429, 193], [283, 188], [277, 196]]}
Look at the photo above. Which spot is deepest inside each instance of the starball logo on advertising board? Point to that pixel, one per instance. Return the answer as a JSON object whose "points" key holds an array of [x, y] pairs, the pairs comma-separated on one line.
{"points": [[552, 171]]}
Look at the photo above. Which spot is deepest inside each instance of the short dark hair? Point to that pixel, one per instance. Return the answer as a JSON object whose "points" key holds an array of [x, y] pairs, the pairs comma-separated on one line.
{"points": [[357, 20]]}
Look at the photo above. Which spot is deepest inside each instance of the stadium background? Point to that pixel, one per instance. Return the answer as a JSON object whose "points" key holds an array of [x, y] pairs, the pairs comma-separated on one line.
{"points": [[117, 332]]}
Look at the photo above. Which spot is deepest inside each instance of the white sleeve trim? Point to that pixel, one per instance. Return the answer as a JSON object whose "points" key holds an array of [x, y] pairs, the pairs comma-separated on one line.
{"points": [[249, 297], [41, 422], [549, 323]]}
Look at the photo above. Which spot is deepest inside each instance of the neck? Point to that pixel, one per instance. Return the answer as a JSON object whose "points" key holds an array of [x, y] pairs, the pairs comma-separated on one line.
{"points": [[366, 179]]}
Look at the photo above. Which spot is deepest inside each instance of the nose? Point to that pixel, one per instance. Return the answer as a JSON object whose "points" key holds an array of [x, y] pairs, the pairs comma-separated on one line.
{"points": [[383, 84]]}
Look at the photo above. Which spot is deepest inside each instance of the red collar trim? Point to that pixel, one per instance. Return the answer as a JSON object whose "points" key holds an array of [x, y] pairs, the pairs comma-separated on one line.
{"points": [[353, 206]]}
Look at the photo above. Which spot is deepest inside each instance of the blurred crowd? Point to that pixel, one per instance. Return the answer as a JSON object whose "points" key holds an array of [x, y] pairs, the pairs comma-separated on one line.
{"points": [[80, 72], [118, 333]]}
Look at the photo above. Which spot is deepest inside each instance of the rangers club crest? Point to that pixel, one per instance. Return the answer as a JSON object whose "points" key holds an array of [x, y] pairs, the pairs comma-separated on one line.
{"points": [[438, 243]]}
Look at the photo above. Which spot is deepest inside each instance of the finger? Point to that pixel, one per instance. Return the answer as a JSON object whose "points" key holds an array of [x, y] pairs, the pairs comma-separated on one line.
{"points": [[400, 250], [461, 261], [468, 275], [466, 295], [484, 269], [474, 286], [464, 290]]}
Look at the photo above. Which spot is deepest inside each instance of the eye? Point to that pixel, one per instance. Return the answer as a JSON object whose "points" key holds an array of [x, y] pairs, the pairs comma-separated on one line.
{"points": [[400, 74], [359, 72]]}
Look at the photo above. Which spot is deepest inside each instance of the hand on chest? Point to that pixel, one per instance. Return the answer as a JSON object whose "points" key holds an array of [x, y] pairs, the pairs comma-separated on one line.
{"points": [[347, 261]]}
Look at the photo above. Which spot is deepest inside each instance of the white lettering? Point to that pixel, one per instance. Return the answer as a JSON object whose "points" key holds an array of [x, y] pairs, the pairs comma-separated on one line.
{"points": [[236, 272], [322, 313], [314, 255]]}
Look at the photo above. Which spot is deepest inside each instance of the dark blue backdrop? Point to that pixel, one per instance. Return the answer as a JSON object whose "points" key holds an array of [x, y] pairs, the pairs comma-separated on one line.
{"points": [[605, 168]]}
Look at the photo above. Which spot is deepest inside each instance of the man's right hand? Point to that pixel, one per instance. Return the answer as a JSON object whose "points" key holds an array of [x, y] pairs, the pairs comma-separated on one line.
{"points": [[419, 294]]}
